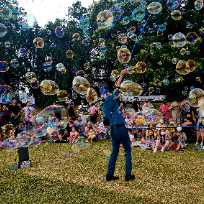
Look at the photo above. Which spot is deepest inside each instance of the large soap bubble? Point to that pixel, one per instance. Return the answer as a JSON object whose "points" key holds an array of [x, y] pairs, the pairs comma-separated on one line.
{"points": [[198, 4], [80, 85], [47, 66], [179, 39], [62, 95], [91, 95], [124, 55], [69, 54], [22, 52], [129, 85], [14, 14], [5, 12], [10, 144], [3, 30], [201, 110], [45, 86], [61, 68], [140, 67], [176, 15], [138, 14], [34, 83], [191, 37], [52, 133], [14, 63], [84, 23], [151, 116], [54, 88], [116, 13], [38, 42], [195, 97], [75, 36], [173, 4], [191, 64], [104, 19], [4, 66], [24, 139], [154, 8], [28, 21], [29, 76], [6, 93], [182, 68], [59, 31], [8, 130]]}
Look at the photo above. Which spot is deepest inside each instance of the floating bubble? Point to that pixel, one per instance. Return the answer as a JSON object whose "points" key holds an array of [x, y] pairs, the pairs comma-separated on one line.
{"points": [[133, 37], [22, 52], [182, 68], [176, 15], [34, 83], [7, 130], [192, 87], [107, 152], [7, 44], [3, 30], [62, 95], [116, 13], [14, 14], [173, 4], [82, 143], [150, 30], [29, 76], [28, 21], [52, 133], [75, 148], [158, 90], [159, 33], [132, 29], [147, 105], [47, 66], [191, 37], [136, 88], [166, 81], [115, 73], [102, 41], [81, 73], [174, 60], [76, 36], [157, 82], [154, 8], [10, 144], [186, 88], [123, 40], [48, 59], [141, 67], [195, 96], [49, 32], [162, 27], [179, 39], [85, 42], [61, 68], [6, 93], [69, 54], [124, 55], [5, 12], [83, 23], [183, 51], [53, 45], [23, 139], [80, 85], [191, 64], [198, 4], [85, 33], [59, 31], [38, 42], [74, 70], [54, 88], [86, 66], [198, 79], [45, 86], [103, 48], [91, 95], [125, 20], [170, 37], [4, 66], [138, 14]]}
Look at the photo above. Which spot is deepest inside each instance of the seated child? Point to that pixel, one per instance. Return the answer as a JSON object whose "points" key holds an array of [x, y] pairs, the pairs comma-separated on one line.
{"points": [[73, 135], [91, 134], [148, 141], [132, 139], [200, 132], [29, 119]]}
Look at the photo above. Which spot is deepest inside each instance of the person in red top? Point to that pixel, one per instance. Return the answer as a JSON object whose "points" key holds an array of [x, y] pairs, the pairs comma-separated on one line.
{"points": [[5, 115], [164, 108]]}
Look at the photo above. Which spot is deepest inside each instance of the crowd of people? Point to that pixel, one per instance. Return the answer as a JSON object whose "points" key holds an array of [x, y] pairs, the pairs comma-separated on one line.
{"points": [[87, 121]]}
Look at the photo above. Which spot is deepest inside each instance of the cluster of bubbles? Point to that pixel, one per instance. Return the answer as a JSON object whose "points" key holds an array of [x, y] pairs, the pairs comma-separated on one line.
{"points": [[6, 94]]}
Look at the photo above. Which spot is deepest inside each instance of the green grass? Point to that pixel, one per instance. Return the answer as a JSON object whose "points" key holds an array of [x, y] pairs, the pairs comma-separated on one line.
{"points": [[169, 177]]}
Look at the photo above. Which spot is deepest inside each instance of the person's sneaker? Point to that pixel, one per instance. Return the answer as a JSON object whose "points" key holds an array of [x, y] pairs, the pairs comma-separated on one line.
{"points": [[129, 177], [110, 177], [196, 143], [167, 149], [162, 150], [155, 150], [177, 149], [201, 144]]}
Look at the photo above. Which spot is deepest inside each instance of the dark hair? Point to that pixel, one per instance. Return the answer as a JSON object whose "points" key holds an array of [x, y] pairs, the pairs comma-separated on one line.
{"points": [[90, 127], [27, 102], [14, 99]]}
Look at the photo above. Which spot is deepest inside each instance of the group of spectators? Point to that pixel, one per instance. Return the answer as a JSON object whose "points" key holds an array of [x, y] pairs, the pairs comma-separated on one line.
{"points": [[87, 121]]}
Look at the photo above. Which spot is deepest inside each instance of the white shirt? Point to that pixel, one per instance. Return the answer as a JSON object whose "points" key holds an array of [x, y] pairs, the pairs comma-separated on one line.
{"points": [[26, 108]]}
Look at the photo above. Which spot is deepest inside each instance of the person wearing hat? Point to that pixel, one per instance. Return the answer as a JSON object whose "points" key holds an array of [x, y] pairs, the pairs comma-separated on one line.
{"points": [[5, 115], [119, 135]]}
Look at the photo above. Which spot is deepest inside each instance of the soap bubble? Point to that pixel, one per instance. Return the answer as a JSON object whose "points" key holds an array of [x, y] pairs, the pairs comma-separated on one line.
{"points": [[201, 111], [23, 139], [195, 96], [182, 68], [136, 88], [69, 54], [198, 4], [116, 13], [10, 144], [7, 130], [124, 55], [103, 48], [133, 37], [191, 37], [192, 87], [7, 44], [45, 86], [6, 94], [47, 66], [91, 95], [34, 83], [22, 52], [53, 45], [3, 30], [191, 64], [179, 39], [125, 20], [14, 14], [5, 12], [176, 15], [158, 90], [82, 142], [173, 4], [52, 133], [85, 42], [81, 73], [76, 36], [48, 59], [4, 66], [62, 95], [29, 76], [51, 85], [83, 23], [138, 14], [115, 73], [170, 37], [140, 67], [14, 63], [85, 33], [86, 66], [74, 70], [150, 30], [159, 33], [60, 67], [107, 152], [198, 79], [38, 42], [154, 8], [162, 27], [166, 81], [151, 116], [59, 31], [185, 93], [75, 148], [157, 82], [28, 21], [80, 85]]}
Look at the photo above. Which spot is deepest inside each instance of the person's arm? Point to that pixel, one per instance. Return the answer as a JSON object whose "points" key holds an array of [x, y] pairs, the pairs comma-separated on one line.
{"points": [[122, 73], [73, 104], [193, 115]]}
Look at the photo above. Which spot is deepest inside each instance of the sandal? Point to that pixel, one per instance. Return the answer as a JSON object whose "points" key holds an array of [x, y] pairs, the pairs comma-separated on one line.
{"points": [[182, 149]]}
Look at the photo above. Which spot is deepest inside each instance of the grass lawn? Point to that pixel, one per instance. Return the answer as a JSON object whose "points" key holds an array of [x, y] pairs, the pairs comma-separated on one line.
{"points": [[169, 177]]}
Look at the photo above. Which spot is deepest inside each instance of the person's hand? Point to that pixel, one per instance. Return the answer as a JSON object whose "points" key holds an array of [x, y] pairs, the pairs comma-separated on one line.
{"points": [[124, 71]]}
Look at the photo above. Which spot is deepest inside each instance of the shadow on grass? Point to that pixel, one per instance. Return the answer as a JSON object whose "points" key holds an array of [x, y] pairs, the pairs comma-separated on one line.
{"points": [[16, 187]]}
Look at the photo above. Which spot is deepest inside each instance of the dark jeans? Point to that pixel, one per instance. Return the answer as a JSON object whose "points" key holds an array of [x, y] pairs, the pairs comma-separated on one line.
{"points": [[15, 122], [93, 119], [119, 136]]}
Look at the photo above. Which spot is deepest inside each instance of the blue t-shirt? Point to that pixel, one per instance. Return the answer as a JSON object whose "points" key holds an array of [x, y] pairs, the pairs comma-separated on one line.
{"points": [[111, 112]]}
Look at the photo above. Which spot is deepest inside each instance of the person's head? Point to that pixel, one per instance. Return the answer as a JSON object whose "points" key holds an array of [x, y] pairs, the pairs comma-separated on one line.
{"points": [[28, 112], [4, 106], [121, 104], [73, 129], [57, 103], [171, 121], [139, 115], [135, 98], [161, 121], [28, 103], [164, 101], [20, 124], [14, 101], [145, 101], [127, 116], [83, 112], [149, 101], [91, 129], [90, 104], [179, 128], [150, 132], [82, 102], [129, 131], [79, 118], [188, 116], [89, 123], [70, 123], [50, 116]]}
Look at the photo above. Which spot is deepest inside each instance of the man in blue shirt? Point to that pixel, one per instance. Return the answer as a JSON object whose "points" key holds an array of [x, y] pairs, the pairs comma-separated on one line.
{"points": [[113, 117]]}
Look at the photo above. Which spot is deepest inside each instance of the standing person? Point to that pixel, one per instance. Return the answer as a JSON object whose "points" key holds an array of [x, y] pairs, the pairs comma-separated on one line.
{"points": [[32, 110], [164, 108], [57, 112], [16, 110], [176, 112], [186, 109], [135, 104], [80, 125], [71, 108], [92, 113], [119, 134], [5, 115]]}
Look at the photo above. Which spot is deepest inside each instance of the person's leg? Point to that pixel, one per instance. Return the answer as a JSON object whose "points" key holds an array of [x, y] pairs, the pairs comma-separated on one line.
{"points": [[12, 121], [143, 141], [115, 151], [198, 137]]}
